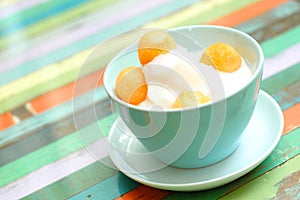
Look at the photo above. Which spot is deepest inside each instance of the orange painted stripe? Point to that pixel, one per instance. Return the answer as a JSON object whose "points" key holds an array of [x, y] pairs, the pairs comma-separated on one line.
{"points": [[66, 93], [247, 12], [291, 118], [6, 120], [145, 193]]}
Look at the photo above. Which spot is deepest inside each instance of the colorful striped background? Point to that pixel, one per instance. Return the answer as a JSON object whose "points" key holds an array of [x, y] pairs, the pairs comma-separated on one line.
{"points": [[43, 45]]}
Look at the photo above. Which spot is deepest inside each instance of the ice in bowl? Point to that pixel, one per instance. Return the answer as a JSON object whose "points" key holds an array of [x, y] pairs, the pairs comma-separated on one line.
{"points": [[169, 75]]}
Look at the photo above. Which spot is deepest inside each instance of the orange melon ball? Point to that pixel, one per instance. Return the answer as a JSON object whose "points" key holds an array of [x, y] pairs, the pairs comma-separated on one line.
{"points": [[222, 57], [188, 98], [154, 43], [130, 85]]}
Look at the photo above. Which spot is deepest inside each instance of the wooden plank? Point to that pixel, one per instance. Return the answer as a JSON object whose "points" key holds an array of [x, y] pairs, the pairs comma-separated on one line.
{"points": [[21, 113], [280, 183], [144, 192], [91, 41], [21, 20], [63, 94], [48, 154], [289, 96], [199, 13], [28, 127], [277, 27], [246, 13], [50, 173], [87, 24], [35, 84], [282, 60], [13, 103], [291, 118], [282, 79], [282, 41], [283, 11], [78, 182], [99, 192], [52, 23], [44, 134]]}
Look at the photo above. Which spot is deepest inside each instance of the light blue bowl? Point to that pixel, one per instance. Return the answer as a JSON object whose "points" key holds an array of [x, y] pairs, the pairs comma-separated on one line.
{"points": [[201, 135]]}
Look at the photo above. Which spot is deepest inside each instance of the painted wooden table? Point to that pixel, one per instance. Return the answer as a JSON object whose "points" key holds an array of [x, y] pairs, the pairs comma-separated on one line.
{"points": [[43, 45]]}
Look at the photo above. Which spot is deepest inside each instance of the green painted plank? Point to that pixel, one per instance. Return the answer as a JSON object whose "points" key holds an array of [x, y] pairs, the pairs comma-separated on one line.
{"points": [[42, 134], [280, 183], [277, 27], [281, 80], [116, 185], [54, 22], [48, 154], [75, 183], [289, 96], [275, 45]]}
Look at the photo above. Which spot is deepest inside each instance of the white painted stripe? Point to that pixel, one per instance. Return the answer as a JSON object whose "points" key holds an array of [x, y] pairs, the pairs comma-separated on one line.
{"points": [[282, 61], [53, 172]]}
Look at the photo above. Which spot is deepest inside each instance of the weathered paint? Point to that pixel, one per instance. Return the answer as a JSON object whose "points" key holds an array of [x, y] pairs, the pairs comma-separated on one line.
{"points": [[249, 12], [276, 183], [291, 118], [278, 13], [91, 40], [76, 182], [51, 23], [281, 41], [199, 13], [282, 79], [144, 192], [288, 96], [6, 120], [286, 149], [63, 94]]}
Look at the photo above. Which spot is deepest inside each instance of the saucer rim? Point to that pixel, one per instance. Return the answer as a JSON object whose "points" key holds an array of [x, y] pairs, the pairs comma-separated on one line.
{"points": [[214, 182]]}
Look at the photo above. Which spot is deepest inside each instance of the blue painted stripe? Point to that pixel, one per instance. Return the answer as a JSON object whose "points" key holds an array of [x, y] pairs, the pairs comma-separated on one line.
{"points": [[99, 191], [20, 23], [90, 41]]}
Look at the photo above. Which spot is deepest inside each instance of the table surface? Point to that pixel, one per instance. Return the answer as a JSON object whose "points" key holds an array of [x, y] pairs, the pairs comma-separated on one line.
{"points": [[43, 45]]}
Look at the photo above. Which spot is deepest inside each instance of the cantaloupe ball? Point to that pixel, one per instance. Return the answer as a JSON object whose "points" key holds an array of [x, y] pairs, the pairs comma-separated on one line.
{"points": [[154, 43], [222, 57], [130, 85], [189, 98]]}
